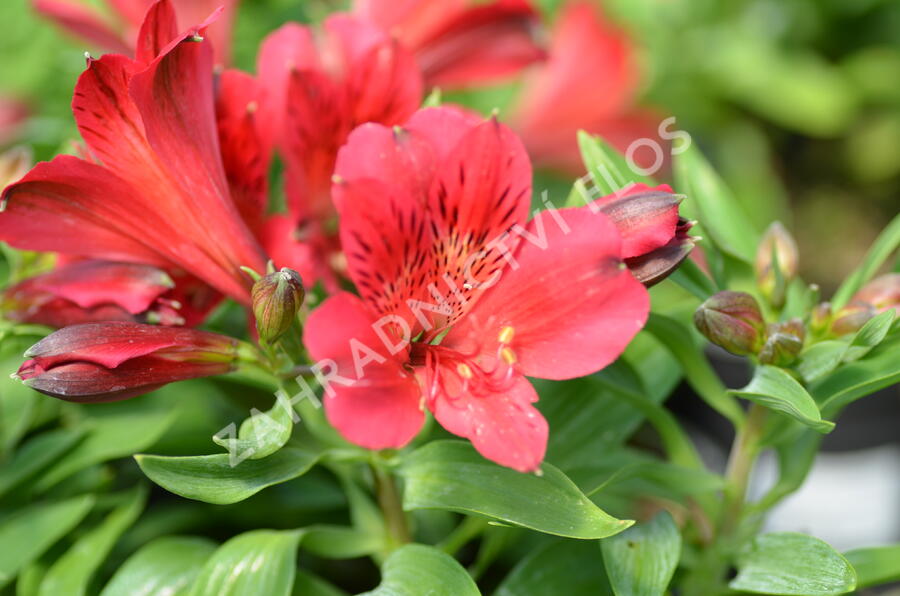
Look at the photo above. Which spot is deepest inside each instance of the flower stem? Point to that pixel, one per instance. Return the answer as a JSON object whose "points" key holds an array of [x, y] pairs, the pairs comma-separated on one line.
{"points": [[740, 463], [392, 508], [462, 534]]}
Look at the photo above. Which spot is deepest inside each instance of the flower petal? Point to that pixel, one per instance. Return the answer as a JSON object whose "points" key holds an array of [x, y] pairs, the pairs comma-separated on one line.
{"points": [[82, 21], [159, 28], [504, 427], [377, 404], [571, 304]]}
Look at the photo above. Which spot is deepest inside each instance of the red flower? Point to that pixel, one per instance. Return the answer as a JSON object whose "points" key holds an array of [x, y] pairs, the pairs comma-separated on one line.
{"points": [[120, 33], [92, 291], [588, 82], [161, 196], [433, 222], [460, 42], [97, 362], [315, 95]]}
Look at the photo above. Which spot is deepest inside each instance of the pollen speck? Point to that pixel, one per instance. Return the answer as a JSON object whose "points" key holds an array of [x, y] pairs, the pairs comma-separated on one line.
{"points": [[506, 335], [508, 356], [464, 370]]}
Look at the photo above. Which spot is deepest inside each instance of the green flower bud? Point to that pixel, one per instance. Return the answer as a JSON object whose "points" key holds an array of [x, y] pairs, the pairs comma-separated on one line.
{"points": [[776, 263], [733, 321], [277, 298], [852, 317], [784, 343]]}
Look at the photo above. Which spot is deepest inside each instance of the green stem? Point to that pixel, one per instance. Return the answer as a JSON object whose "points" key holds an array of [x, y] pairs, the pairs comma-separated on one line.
{"points": [[463, 533], [740, 463], [391, 507]]}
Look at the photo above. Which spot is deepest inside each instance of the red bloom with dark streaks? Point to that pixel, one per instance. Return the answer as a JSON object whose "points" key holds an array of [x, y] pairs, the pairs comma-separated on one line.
{"points": [[460, 42], [120, 33], [461, 296], [158, 193], [97, 362]]}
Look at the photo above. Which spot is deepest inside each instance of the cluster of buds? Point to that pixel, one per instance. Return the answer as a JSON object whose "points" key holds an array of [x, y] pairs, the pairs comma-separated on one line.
{"points": [[879, 295], [734, 321]]}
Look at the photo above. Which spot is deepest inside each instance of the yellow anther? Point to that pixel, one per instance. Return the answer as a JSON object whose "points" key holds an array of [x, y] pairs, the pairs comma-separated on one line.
{"points": [[464, 371], [506, 335], [508, 356]]}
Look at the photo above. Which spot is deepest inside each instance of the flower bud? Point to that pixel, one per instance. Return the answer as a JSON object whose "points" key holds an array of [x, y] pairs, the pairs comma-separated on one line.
{"points": [[784, 343], [883, 293], [820, 318], [852, 317], [656, 265], [97, 362], [777, 248], [733, 321], [277, 298]]}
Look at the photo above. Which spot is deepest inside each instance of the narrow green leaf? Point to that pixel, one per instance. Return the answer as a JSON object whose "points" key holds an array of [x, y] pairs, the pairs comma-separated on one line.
{"points": [[565, 567], [451, 475], [212, 478], [608, 169], [677, 338], [690, 277], [789, 564], [115, 430], [820, 359], [35, 455], [260, 435], [720, 215], [339, 542], [71, 573], [26, 535], [307, 584], [869, 336], [774, 388], [886, 243], [875, 565], [258, 562], [880, 368], [165, 567], [641, 560], [416, 569]]}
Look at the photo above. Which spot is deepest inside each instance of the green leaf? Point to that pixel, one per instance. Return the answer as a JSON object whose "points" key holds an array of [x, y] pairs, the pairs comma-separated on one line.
{"points": [[416, 569], [875, 565], [26, 535], [71, 573], [258, 562], [339, 542], [35, 455], [677, 338], [569, 567], [608, 169], [869, 336], [641, 560], [820, 359], [307, 584], [212, 478], [115, 430], [451, 475], [880, 368], [260, 435], [774, 388], [787, 563], [690, 277], [886, 243], [166, 566], [720, 215]]}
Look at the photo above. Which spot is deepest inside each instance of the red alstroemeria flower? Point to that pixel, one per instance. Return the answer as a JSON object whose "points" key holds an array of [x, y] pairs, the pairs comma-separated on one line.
{"points": [[97, 362], [119, 31], [159, 194], [316, 93], [433, 222], [588, 82], [461, 42], [88, 291]]}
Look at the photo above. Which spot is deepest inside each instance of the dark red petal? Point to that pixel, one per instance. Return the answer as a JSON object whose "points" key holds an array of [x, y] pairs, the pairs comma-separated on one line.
{"points": [[379, 408], [83, 22], [109, 344], [645, 217], [159, 28], [571, 304], [504, 427]]}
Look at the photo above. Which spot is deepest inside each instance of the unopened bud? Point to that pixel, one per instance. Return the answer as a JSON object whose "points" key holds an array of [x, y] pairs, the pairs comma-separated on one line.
{"points": [[784, 343], [883, 293], [733, 321], [277, 298], [852, 317], [776, 263], [820, 318], [653, 267]]}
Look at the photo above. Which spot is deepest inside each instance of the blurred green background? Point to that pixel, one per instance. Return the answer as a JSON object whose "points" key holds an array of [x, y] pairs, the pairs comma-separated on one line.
{"points": [[797, 102]]}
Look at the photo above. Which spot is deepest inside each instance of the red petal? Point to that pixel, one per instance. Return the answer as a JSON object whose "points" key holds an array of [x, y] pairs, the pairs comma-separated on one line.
{"points": [[380, 408], [482, 43], [159, 28], [572, 305], [83, 22], [219, 32], [645, 217], [504, 427], [246, 158]]}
